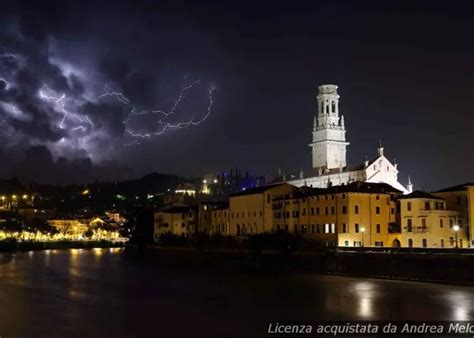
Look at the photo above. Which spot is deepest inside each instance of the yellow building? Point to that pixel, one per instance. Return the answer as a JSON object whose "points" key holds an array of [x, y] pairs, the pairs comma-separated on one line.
{"points": [[176, 220], [357, 214], [213, 217], [69, 226], [251, 211], [428, 222], [461, 198], [220, 219]]}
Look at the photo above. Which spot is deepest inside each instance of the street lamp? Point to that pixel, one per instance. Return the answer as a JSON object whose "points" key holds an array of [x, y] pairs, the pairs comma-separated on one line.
{"points": [[363, 235], [456, 229]]}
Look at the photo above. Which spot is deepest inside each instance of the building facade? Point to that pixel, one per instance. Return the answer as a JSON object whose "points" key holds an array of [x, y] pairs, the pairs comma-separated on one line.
{"points": [[328, 150], [250, 211], [176, 220], [358, 214], [428, 222], [461, 198]]}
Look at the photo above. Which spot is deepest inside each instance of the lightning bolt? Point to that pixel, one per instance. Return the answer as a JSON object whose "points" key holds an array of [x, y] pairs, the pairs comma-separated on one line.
{"points": [[163, 125], [59, 101]]}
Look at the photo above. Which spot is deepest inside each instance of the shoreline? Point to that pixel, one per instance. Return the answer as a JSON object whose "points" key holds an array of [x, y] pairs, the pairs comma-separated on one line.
{"points": [[426, 268], [24, 246]]}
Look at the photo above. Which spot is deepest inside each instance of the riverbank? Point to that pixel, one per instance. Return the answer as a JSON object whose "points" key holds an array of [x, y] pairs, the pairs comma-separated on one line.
{"points": [[14, 245], [434, 267]]}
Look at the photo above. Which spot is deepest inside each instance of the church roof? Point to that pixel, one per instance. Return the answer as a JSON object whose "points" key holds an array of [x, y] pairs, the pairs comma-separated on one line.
{"points": [[420, 194]]}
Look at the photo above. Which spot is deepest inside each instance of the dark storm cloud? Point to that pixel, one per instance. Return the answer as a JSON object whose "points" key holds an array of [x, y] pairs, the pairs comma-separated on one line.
{"points": [[404, 72], [38, 165]]}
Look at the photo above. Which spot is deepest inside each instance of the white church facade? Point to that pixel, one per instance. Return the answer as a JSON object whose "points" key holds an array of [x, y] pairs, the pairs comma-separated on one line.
{"points": [[328, 151]]}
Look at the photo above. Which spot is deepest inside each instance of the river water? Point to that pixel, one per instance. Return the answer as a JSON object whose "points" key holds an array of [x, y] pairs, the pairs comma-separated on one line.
{"points": [[105, 293]]}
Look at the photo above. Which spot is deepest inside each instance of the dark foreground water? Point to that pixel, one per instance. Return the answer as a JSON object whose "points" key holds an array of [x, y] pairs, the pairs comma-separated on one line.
{"points": [[104, 293]]}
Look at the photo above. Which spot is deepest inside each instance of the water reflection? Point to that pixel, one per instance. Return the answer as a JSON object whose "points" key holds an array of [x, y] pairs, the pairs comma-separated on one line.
{"points": [[365, 292], [98, 252], [461, 305]]}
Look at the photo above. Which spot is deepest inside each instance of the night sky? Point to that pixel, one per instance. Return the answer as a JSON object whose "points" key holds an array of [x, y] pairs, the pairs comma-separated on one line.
{"points": [[82, 82]]}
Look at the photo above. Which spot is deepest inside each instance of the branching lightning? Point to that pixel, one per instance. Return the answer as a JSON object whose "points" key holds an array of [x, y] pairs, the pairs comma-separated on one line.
{"points": [[163, 124]]}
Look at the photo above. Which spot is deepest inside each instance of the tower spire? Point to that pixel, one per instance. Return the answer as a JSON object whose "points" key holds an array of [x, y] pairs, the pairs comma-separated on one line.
{"points": [[329, 134], [409, 185], [380, 148]]}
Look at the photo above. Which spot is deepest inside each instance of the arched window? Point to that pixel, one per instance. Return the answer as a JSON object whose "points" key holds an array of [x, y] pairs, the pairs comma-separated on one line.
{"points": [[327, 109], [333, 106]]}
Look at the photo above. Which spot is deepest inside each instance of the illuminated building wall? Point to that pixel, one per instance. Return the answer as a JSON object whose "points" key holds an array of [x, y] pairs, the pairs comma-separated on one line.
{"points": [[360, 214], [428, 221], [251, 210]]}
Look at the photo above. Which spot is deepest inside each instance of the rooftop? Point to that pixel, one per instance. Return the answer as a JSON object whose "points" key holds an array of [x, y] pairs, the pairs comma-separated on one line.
{"points": [[258, 190], [420, 194], [460, 187], [355, 187]]}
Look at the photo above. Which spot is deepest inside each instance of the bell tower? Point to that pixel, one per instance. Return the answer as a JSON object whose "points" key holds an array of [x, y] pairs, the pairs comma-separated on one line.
{"points": [[329, 133]]}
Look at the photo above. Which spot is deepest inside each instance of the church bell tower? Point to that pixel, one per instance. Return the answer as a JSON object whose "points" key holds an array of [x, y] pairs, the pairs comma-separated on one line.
{"points": [[329, 133]]}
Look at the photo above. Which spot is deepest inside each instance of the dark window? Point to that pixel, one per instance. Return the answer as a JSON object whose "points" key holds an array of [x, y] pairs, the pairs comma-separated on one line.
{"points": [[317, 211], [312, 211], [410, 243], [304, 211], [425, 243], [356, 209], [356, 227], [441, 223], [378, 228], [344, 227], [409, 206], [377, 210], [326, 210], [268, 198], [312, 228], [427, 206], [409, 225], [344, 209], [318, 230], [332, 210], [296, 228]]}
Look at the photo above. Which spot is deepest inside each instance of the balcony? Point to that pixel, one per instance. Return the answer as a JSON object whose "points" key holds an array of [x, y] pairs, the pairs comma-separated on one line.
{"points": [[416, 229]]}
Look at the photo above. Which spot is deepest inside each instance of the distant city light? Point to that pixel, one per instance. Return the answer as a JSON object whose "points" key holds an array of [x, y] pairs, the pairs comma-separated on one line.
{"points": [[85, 192]]}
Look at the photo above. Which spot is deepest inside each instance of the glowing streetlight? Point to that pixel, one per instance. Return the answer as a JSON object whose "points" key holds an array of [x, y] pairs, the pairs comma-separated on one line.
{"points": [[456, 229], [363, 235], [14, 197], [25, 197]]}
